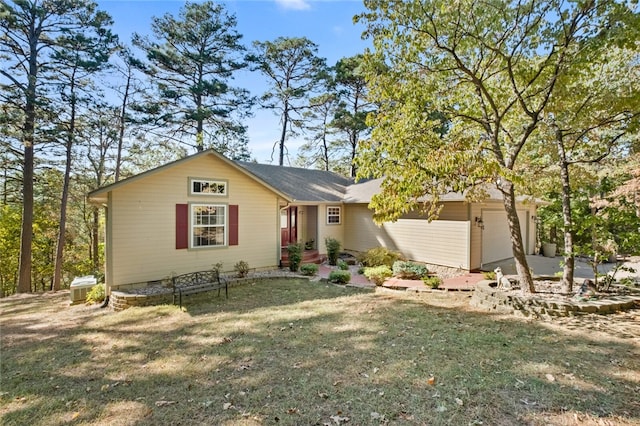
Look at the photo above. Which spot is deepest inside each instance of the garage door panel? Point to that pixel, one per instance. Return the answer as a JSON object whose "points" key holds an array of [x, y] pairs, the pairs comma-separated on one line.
{"points": [[496, 237]]}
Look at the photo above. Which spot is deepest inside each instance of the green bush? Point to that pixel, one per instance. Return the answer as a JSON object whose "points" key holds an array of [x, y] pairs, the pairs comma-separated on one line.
{"points": [[241, 268], [333, 249], [379, 256], [433, 282], [343, 265], [309, 269], [409, 270], [340, 277], [378, 274], [489, 275], [96, 294], [295, 256]]}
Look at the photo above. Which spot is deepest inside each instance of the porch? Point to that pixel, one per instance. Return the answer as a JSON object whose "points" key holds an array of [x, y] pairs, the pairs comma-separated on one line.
{"points": [[308, 256]]}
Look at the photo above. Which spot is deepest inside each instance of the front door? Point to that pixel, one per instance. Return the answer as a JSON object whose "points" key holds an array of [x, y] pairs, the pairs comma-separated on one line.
{"points": [[288, 226]]}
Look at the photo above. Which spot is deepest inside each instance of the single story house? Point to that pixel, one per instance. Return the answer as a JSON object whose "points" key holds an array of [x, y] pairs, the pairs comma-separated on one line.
{"points": [[203, 209]]}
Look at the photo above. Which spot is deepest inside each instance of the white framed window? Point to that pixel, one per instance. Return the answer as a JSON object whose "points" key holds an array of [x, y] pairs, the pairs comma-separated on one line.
{"points": [[208, 225], [207, 187], [334, 215]]}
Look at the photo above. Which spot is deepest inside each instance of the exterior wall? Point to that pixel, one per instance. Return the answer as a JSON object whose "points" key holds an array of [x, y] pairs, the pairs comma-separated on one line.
{"points": [[329, 231], [143, 223], [308, 224], [440, 242], [526, 213]]}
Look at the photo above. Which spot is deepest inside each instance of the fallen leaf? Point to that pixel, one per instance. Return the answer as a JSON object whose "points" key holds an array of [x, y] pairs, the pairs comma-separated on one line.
{"points": [[227, 405], [293, 410], [441, 408], [323, 395], [75, 415], [431, 381], [550, 377], [339, 419], [163, 403], [459, 402]]}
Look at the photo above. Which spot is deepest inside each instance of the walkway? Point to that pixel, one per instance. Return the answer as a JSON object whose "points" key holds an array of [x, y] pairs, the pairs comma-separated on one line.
{"points": [[464, 282]]}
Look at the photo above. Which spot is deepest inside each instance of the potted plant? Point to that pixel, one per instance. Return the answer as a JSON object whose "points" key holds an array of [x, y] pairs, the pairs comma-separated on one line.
{"points": [[549, 249]]}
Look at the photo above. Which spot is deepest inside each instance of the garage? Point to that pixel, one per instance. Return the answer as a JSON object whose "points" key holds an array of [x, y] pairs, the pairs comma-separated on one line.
{"points": [[496, 240]]}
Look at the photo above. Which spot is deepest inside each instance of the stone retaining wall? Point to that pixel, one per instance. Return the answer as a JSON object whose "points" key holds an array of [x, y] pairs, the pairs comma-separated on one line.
{"points": [[487, 296]]}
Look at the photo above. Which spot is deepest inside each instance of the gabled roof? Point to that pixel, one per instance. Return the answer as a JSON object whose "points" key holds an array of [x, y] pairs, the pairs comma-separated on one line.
{"points": [[100, 195], [301, 185]]}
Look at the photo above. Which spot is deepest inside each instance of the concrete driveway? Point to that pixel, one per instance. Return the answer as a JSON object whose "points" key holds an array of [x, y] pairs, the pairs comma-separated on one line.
{"points": [[550, 266]]}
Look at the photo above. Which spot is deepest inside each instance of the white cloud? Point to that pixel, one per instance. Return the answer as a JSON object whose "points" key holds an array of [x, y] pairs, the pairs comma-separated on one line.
{"points": [[294, 4]]}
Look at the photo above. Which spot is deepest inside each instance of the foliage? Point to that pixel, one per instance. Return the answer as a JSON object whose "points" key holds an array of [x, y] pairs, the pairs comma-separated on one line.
{"points": [[309, 269], [339, 277], [378, 274], [97, 294], [343, 265], [433, 282], [191, 62], [466, 91], [489, 275], [242, 268], [294, 71], [379, 256], [295, 256], [309, 244], [409, 270], [333, 249], [217, 267]]}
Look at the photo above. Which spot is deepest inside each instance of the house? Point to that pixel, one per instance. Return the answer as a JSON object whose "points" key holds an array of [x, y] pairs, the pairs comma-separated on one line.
{"points": [[203, 209]]}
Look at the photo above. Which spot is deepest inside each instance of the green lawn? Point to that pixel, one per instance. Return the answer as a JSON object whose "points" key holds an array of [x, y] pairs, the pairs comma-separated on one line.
{"points": [[298, 353]]}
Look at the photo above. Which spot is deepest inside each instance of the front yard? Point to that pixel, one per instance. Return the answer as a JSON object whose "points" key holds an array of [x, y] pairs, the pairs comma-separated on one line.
{"points": [[295, 352]]}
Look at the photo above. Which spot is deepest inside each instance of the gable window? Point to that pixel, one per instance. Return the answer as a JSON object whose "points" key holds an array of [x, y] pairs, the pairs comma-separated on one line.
{"points": [[333, 215], [208, 225], [207, 187]]}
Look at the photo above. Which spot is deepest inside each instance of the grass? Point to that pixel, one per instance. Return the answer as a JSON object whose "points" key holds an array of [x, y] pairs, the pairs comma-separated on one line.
{"points": [[294, 352]]}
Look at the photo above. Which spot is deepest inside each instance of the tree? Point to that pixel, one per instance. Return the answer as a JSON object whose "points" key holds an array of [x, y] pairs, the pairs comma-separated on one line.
{"points": [[191, 66], [318, 148], [79, 58], [294, 72], [351, 115], [31, 30], [491, 70]]}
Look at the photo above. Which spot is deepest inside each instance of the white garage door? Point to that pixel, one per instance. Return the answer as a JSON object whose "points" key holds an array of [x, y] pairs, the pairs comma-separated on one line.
{"points": [[496, 240]]}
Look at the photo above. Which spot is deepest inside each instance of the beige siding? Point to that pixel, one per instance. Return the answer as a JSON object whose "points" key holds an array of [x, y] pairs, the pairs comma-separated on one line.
{"points": [[329, 231], [143, 223], [526, 212], [441, 242]]}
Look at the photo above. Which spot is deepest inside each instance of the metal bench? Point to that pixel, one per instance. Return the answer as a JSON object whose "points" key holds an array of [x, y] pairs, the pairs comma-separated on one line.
{"points": [[198, 282]]}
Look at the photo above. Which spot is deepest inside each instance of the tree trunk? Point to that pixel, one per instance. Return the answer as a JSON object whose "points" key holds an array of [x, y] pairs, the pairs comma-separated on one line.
{"points": [[522, 268], [24, 269], [569, 256], [283, 134], [121, 124]]}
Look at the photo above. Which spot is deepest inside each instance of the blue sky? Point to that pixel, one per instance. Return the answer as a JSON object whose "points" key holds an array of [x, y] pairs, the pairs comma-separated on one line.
{"points": [[327, 23]]}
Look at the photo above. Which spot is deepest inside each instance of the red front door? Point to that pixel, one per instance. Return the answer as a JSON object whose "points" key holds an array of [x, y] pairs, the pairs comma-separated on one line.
{"points": [[288, 226]]}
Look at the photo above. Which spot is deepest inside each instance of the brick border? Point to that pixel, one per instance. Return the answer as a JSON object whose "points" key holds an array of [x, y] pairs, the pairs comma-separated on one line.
{"points": [[487, 296]]}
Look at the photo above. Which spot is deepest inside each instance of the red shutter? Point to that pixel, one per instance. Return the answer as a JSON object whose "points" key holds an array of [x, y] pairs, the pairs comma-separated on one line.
{"points": [[233, 225], [182, 226]]}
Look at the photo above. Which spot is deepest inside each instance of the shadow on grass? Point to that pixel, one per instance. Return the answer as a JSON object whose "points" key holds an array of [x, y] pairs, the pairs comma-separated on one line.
{"points": [[306, 353]]}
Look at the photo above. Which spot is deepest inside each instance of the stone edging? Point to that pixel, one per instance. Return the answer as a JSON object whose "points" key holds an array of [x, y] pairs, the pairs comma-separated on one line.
{"points": [[152, 295], [486, 296]]}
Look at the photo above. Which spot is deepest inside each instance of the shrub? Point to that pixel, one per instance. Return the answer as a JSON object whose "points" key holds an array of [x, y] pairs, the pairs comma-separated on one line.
{"points": [[216, 267], [333, 249], [379, 256], [343, 265], [241, 268], [378, 274], [295, 256], [409, 270], [433, 282], [96, 294], [309, 269], [489, 275], [340, 277]]}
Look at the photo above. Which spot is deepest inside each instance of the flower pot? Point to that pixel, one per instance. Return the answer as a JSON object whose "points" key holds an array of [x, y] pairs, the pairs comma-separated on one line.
{"points": [[549, 249]]}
